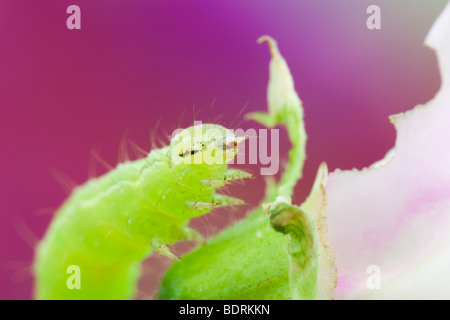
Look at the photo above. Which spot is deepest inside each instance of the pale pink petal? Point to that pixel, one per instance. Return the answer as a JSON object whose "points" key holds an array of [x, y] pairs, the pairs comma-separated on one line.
{"points": [[396, 214]]}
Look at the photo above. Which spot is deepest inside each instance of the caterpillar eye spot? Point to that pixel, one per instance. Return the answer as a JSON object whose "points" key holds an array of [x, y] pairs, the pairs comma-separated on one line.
{"points": [[191, 152]]}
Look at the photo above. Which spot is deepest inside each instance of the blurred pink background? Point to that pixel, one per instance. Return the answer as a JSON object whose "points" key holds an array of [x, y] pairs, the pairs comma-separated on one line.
{"points": [[65, 93]]}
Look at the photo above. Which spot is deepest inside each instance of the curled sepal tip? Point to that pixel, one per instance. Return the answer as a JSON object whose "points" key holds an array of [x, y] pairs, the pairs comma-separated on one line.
{"points": [[294, 222], [282, 99]]}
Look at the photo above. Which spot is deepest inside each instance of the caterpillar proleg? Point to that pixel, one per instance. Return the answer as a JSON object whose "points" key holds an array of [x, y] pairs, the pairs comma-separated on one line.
{"points": [[110, 224]]}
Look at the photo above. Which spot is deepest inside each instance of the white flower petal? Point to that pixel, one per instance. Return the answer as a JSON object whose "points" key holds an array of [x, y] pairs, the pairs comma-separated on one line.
{"points": [[396, 214]]}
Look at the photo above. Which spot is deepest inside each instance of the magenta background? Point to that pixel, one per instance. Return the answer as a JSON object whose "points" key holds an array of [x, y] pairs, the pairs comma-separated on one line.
{"points": [[64, 93]]}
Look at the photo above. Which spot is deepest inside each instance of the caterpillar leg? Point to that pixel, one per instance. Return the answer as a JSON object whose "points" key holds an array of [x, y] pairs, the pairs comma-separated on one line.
{"points": [[226, 201], [212, 183], [159, 246], [235, 174], [218, 200], [230, 175], [193, 235]]}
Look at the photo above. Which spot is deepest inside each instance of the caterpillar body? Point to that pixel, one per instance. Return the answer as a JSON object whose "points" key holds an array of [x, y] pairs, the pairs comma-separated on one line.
{"points": [[111, 223]]}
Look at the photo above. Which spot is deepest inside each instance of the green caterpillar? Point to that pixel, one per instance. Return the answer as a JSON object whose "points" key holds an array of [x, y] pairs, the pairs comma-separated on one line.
{"points": [[110, 224]]}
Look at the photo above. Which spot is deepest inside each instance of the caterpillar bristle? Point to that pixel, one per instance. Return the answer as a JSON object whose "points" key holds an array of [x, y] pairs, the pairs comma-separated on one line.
{"points": [[224, 189], [238, 116], [153, 135], [208, 114], [100, 160], [139, 152], [123, 154], [64, 181], [180, 120], [25, 232]]}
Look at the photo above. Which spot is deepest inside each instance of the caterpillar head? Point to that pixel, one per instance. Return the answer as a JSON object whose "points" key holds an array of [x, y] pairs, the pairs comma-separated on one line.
{"points": [[209, 144]]}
